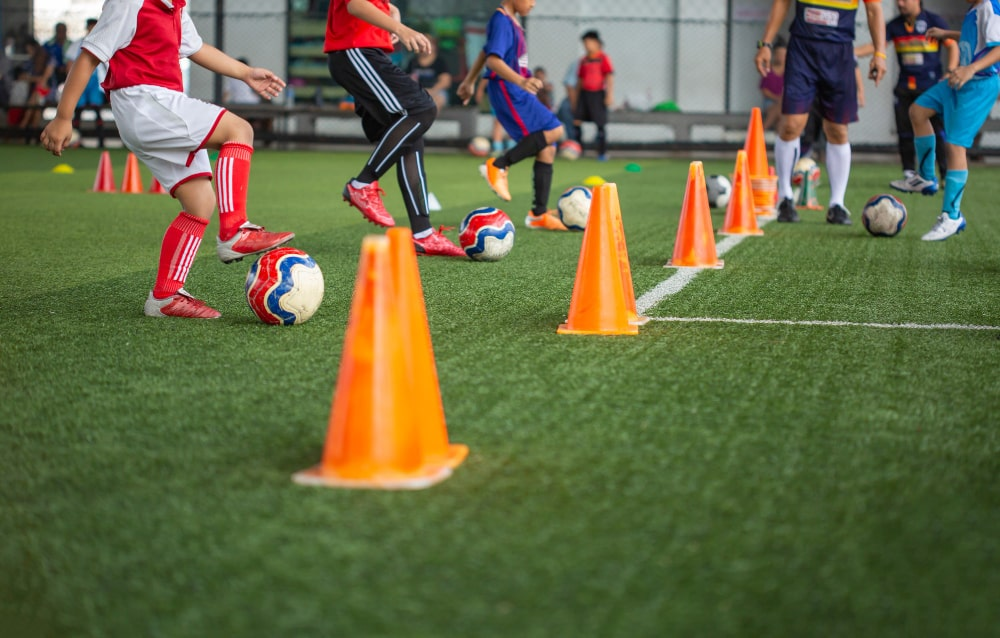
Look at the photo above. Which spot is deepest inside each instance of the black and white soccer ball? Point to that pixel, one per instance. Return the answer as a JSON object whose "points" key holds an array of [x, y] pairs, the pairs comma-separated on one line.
{"points": [[719, 190]]}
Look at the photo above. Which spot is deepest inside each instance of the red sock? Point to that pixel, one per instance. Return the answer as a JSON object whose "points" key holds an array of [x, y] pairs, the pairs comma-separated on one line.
{"points": [[232, 174], [180, 244]]}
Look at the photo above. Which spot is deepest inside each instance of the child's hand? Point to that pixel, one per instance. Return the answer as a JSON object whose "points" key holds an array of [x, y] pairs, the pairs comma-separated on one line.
{"points": [[532, 85], [935, 33], [465, 91], [413, 40], [877, 69], [264, 82], [763, 61], [959, 76], [56, 136]]}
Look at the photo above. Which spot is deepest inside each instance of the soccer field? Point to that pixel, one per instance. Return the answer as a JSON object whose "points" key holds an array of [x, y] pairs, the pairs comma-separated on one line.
{"points": [[828, 465]]}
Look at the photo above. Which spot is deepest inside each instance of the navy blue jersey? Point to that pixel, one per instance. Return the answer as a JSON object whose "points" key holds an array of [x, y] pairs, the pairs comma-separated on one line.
{"points": [[829, 20], [505, 39], [919, 56]]}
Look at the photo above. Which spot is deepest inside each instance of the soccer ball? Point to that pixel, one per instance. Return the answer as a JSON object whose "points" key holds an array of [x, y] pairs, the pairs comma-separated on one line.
{"points": [[805, 168], [486, 234], [570, 150], [479, 146], [884, 216], [719, 190], [284, 286], [574, 207]]}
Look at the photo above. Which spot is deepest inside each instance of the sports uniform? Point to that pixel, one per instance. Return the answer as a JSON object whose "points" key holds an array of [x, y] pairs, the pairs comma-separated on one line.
{"points": [[395, 113], [964, 110], [522, 115], [141, 42], [919, 60]]}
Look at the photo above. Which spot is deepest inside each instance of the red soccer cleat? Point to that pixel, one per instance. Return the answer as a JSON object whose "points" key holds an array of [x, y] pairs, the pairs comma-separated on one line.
{"points": [[368, 200], [437, 244], [180, 304], [250, 239]]}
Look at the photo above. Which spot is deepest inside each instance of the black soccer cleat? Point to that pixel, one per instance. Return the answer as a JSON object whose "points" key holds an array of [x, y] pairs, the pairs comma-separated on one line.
{"points": [[787, 212], [837, 214]]}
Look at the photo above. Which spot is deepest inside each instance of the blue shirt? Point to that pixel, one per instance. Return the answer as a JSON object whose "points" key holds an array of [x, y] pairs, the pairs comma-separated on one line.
{"points": [[505, 39], [980, 33], [829, 20]]}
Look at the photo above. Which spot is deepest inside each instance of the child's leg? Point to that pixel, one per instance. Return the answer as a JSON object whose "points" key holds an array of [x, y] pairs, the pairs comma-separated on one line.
{"points": [[955, 180], [413, 186], [924, 141], [397, 140], [234, 139], [183, 236], [542, 173]]}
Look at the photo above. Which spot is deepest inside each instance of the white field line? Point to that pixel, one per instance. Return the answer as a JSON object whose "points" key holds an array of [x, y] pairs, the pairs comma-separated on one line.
{"points": [[676, 283], [847, 324]]}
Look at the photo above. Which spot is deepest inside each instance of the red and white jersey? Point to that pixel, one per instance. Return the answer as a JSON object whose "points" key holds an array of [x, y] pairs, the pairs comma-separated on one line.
{"points": [[142, 42]]}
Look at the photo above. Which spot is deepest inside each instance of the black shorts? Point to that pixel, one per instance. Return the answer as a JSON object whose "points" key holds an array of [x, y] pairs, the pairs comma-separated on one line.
{"points": [[382, 92], [590, 107]]}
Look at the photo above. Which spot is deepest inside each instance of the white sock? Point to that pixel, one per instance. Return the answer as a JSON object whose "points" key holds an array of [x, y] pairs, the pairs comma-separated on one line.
{"points": [[356, 184], [785, 156], [423, 233], [838, 167]]}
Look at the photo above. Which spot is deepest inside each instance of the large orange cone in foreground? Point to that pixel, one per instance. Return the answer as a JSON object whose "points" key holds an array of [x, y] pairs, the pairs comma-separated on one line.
{"points": [[741, 219], [385, 432], [132, 180], [611, 199], [695, 243], [104, 181], [754, 145], [599, 302]]}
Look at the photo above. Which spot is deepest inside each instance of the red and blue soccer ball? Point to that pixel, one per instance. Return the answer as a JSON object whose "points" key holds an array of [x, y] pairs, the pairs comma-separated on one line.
{"points": [[284, 287], [884, 216], [486, 234]]}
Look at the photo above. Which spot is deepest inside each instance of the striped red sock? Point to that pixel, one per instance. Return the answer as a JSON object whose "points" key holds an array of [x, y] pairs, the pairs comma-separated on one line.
{"points": [[180, 245], [232, 174]]}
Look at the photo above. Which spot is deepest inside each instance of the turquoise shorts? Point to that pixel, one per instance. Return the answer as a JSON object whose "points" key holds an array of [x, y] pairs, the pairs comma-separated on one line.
{"points": [[963, 111]]}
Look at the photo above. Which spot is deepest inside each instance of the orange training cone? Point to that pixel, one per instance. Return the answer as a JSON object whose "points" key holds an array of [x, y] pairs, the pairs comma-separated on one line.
{"points": [[625, 266], [381, 435], [754, 145], [695, 244], [156, 188], [132, 181], [599, 302], [104, 182], [741, 219]]}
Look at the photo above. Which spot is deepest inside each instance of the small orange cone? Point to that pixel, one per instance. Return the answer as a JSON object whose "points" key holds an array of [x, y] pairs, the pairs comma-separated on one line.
{"points": [[381, 435], [626, 267], [599, 303], [104, 182], [156, 188], [132, 181], [741, 219], [695, 244], [754, 145]]}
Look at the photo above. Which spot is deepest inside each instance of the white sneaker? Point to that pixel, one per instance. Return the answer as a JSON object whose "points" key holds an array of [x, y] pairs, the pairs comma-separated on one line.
{"points": [[915, 184], [945, 227]]}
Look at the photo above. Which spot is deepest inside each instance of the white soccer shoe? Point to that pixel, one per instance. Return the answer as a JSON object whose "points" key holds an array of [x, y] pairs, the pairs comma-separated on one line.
{"points": [[945, 227], [915, 184]]}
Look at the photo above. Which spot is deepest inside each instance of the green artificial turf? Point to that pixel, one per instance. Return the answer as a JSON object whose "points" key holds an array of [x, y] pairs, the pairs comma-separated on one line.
{"points": [[699, 479]]}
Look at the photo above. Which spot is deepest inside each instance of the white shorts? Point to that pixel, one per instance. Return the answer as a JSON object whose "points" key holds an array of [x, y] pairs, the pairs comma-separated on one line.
{"points": [[166, 130]]}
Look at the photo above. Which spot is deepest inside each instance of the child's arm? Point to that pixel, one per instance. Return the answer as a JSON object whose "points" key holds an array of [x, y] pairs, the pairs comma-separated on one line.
{"points": [[497, 65], [961, 75], [876, 27], [779, 9], [262, 81], [466, 88], [938, 33], [412, 40], [58, 132], [860, 84], [609, 90]]}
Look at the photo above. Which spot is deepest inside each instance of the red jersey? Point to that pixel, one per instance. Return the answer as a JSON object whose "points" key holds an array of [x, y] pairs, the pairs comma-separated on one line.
{"points": [[593, 70], [142, 42], [344, 31]]}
